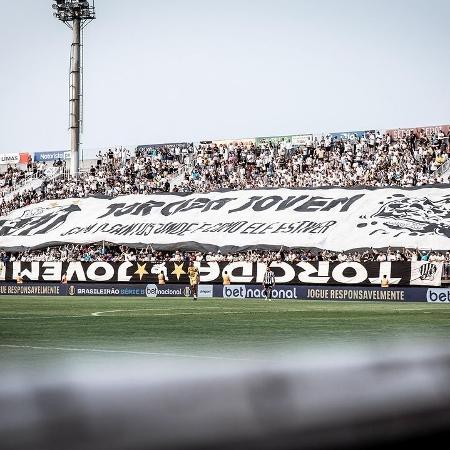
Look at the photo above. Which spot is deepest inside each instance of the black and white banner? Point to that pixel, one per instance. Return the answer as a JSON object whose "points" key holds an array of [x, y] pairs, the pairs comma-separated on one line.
{"points": [[318, 273], [334, 219]]}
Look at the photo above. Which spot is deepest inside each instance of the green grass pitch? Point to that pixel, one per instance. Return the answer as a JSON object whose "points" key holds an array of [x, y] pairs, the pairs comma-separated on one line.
{"points": [[36, 330]]}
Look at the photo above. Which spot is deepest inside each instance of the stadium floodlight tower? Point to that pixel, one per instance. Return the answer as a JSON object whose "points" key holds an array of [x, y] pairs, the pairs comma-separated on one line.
{"points": [[76, 14]]}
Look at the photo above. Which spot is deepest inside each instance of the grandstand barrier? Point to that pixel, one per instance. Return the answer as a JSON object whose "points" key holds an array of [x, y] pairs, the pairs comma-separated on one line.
{"points": [[45, 289], [394, 396], [233, 291], [350, 273]]}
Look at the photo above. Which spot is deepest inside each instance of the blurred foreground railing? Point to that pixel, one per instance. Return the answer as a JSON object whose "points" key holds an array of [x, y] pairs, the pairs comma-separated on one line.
{"points": [[383, 398]]}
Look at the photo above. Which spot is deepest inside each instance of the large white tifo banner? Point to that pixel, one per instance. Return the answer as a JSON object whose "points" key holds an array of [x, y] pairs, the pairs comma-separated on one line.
{"points": [[335, 219]]}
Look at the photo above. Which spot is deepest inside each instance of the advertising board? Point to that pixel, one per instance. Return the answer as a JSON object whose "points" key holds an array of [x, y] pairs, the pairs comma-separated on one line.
{"points": [[52, 156]]}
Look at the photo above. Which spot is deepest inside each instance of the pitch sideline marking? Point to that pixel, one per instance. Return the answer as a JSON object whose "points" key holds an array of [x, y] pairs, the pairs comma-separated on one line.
{"points": [[37, 316], [189, 313], [130, 352], [192, 313], [40, 317], [97, 313]]}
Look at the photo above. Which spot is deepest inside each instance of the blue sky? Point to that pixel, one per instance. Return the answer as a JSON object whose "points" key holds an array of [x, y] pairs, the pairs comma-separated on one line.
{"points": [[174, 70]]}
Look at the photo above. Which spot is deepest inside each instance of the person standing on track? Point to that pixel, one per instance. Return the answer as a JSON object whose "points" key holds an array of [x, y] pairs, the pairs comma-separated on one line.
{"points": [[226, 278], [268, 283], [19, 278], [194, 279]]}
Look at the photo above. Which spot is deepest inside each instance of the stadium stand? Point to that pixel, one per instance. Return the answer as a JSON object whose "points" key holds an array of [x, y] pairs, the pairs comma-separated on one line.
{"points": [[373, 158], [102, 252], [370, 160], [113, 174]]}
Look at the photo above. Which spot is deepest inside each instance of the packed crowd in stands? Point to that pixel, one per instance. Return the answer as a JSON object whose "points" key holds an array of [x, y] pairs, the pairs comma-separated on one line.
{"points": [[112, 253], [370, 160], [373, 159], [13, 176], [115, 173]]}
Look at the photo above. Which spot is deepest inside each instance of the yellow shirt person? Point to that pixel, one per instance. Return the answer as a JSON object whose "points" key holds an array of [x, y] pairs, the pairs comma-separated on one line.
{"points": [[226, 278], [19, 279], [193, 275], [161, 279], [384, 282], [194, 279]]}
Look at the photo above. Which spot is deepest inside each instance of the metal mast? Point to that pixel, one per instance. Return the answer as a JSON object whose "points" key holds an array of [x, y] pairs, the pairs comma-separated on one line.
{"points": [[76, 14]]}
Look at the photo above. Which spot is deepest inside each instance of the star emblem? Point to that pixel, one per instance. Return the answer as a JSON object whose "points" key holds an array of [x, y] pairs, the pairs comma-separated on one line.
{"points": [[178, 270], [141, 270]]}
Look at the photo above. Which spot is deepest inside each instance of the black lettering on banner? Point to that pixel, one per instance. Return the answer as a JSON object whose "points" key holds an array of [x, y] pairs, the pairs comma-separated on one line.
{"points": [[103, 227], [74, 230], [313, 204], [268, 227], [112, 209], [144, 209], [284, 228], [196, 203], [30, 225], [127, 229], [347, 202], [325, 226], [247, 205], [141, 228], [306, 227], [128, 209], [252, 228], [89, 228], [290, 201], [115, 229], [266, 203], [231, 227], [204, 227], [120, 209], [175, 228], [150, 227], [215, 205], [172, 208]]}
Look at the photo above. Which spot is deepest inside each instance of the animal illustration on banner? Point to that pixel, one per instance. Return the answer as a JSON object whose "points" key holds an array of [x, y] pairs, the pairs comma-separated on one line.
{"points": [[417, 216]]}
